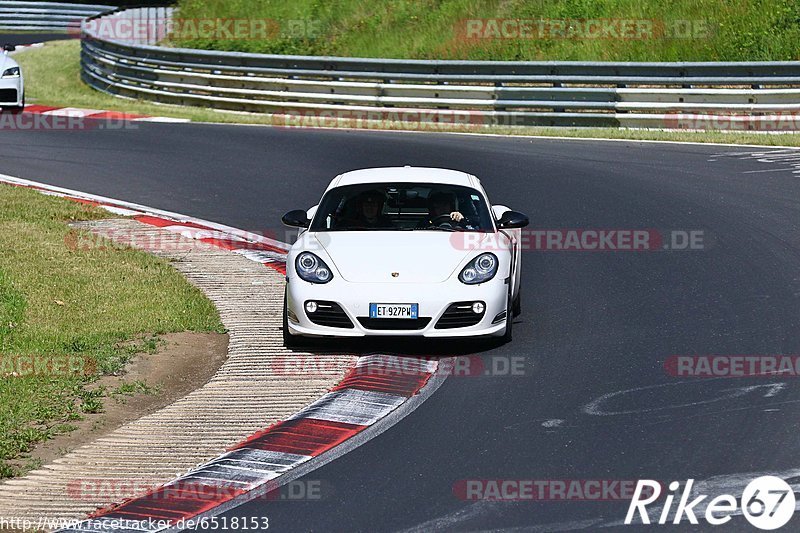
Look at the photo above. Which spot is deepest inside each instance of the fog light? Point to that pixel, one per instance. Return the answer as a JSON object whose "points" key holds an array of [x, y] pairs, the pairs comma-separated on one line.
{"points": [[478, 308], [311, 307]]}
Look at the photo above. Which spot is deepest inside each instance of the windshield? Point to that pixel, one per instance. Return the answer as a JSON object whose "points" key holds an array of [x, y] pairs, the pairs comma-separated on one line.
{"points": [[402, 207]]}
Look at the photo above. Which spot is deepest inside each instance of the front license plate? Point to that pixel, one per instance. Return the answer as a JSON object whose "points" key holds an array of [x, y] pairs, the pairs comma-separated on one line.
{"points": [[410, 311]]}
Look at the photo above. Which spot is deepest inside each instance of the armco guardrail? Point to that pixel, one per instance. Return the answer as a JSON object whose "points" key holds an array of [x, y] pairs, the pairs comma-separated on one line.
{"points": [[46, 16], [474, 92]]}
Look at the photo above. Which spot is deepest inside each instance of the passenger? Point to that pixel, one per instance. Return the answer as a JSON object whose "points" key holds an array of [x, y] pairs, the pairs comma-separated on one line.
{"points": [[440, 206]]}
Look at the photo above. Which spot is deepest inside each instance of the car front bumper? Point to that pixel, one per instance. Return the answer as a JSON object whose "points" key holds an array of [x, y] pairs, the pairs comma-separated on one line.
{"points": [[11, 93], [434, 299]]}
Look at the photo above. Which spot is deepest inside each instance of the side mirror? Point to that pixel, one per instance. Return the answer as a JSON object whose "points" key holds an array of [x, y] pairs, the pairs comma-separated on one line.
{"points": [[9, 47], [513, 219], [296, 219]]}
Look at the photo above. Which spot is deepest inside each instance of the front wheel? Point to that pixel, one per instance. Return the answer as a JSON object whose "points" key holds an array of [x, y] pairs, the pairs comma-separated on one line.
{"points": [[16, 110], [507, 336], [289, 340]]}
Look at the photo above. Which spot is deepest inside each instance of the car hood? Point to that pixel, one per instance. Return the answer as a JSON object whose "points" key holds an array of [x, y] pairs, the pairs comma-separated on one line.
{"points": [[6, 62], [375, 256]]}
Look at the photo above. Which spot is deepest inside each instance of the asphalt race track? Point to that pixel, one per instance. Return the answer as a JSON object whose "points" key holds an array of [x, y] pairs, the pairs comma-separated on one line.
{"points": [[594, 401]]}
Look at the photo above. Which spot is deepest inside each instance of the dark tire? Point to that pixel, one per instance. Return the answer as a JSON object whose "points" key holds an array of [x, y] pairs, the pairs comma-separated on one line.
{"points": [[508, 335], [16, 110], [289, 341]]}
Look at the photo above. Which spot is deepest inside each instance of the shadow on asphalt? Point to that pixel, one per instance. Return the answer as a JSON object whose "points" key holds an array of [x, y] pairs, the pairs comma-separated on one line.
{"points": [[429, 348]]}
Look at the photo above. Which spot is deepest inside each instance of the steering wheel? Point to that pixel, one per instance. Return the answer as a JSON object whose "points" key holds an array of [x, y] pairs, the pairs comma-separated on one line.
{"points": [[442, 219]]}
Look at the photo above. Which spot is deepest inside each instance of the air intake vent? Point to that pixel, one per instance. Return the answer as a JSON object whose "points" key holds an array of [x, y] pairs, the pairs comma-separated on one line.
{"points": [[394, 323], [460, 315], [8, 96], [330, 314]]}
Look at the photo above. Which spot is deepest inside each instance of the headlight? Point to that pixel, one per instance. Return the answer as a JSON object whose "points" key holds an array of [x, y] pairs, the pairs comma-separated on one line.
{"points": [[311, 268], [479, 270], [12, 72]]}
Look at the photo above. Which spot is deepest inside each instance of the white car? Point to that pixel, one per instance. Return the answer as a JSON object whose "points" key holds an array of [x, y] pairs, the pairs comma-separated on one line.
{"points": [[402, 251], [12, 86]]}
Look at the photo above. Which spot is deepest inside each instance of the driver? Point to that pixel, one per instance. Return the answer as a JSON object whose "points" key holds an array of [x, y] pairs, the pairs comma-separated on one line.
{"points": [[369, 211], [441, 204]]}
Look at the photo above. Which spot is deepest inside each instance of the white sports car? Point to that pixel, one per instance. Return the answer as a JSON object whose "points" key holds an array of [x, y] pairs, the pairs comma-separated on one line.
{"points": [[403, 252], [12, 86]]}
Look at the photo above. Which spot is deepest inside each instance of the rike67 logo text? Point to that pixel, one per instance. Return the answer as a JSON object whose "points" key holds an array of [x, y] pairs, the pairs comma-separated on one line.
{"points": [[767, 502]]}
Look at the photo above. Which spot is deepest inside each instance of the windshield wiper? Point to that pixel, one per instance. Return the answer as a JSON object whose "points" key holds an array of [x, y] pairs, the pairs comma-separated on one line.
{"points": [[439, 228]]}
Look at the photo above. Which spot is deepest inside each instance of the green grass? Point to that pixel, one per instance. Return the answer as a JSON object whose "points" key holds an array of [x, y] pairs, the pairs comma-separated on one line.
{"points": [[742, 30], [98, 306], [131, 388], [52, 77]]}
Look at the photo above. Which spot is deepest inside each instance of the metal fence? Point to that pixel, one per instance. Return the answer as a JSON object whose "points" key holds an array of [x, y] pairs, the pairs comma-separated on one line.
{"points": [[46, 16], [660, 95]]}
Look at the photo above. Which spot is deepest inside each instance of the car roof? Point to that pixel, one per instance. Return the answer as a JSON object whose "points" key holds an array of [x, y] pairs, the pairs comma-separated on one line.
{"points": [[405, 175]]}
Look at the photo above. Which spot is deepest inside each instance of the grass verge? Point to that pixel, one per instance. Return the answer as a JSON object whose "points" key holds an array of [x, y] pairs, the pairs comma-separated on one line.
{"points": [[69, 315], [682, 30], [52, 77]]}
